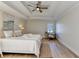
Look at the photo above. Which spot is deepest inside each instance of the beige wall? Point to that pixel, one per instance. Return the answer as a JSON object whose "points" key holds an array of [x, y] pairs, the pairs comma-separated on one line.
{"points": [[19, 21], [1, 20], [68, 29], [1, 23], [37, 26], [5, 17]]}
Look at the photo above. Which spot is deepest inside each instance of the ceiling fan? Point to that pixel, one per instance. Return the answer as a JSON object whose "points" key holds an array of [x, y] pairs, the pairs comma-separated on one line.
{"points": [[38, 7]]}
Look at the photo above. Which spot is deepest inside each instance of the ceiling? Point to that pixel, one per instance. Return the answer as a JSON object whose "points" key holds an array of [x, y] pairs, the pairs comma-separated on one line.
{"points": [[20, 9]]}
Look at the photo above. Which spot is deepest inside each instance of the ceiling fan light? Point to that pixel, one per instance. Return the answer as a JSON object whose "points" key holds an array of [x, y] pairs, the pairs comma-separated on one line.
{"points": [[38, 9]]}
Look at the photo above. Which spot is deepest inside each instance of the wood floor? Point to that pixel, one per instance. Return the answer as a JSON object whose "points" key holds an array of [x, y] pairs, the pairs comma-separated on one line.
{"points": [[49, 49], [45, 52], [60, 51]]}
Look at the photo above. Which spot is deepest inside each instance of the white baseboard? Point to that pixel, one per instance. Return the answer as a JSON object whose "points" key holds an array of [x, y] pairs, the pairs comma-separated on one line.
{"points": [[76, 53]]}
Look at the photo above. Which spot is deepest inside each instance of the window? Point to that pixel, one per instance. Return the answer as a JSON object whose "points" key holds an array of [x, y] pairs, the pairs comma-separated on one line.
{"points": [[50, 28]]}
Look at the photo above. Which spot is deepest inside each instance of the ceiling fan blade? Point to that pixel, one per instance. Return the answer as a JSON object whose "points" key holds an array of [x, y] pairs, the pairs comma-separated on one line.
{"points": [[33, 9], [44, 7], [40, 11]]}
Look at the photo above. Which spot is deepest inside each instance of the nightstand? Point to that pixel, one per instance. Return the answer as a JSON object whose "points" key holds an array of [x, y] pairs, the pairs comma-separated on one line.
{"points": [[1, 53], [1, 50]]}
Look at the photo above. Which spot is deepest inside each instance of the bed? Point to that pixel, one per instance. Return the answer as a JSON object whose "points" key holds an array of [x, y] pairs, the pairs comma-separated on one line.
{"points": [[24, 44]]}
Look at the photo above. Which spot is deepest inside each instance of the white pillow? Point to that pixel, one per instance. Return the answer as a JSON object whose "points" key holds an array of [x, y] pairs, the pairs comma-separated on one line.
{"points": [[8, 34], [25, 36]]}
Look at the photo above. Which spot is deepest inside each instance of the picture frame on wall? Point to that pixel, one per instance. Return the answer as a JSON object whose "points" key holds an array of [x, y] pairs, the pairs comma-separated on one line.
{"points": [[8, 25]]}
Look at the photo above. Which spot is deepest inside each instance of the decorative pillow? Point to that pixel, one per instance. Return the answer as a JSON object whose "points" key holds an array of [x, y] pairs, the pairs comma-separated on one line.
{"points": [[8, 34], [18, 33]]}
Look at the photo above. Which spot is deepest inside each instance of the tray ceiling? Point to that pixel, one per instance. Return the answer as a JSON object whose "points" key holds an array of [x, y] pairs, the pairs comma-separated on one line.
{"points": [[55, 8]]}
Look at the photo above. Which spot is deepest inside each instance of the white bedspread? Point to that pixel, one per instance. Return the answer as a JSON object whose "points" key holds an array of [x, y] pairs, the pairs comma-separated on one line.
{"points": [[23, 44]]}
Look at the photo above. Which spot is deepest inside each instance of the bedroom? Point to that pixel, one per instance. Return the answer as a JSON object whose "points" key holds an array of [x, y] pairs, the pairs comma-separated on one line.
{"points": [[29, 32]]}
